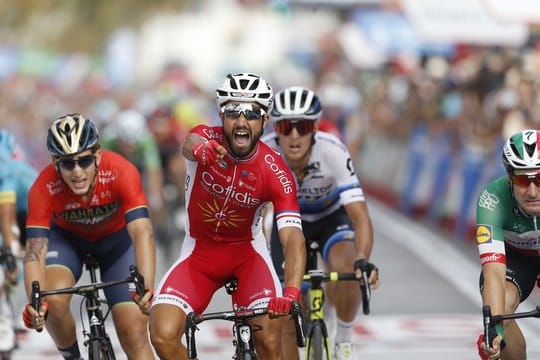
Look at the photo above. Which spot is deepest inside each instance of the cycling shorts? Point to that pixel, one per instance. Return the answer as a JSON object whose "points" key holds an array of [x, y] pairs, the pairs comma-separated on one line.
{"points": [[205, 266], [114, 254], [320, 236]]}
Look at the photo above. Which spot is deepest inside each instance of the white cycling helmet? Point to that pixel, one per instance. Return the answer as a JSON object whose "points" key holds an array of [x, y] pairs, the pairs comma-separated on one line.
{"points": [[130, 126], [245, 87], [296, 103], [521, 151]]}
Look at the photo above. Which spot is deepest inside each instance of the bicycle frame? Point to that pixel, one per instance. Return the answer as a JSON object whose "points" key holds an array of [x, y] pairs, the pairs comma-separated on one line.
{"points": [[317, 339], [98, 341], [242, 328], [318, 342]]}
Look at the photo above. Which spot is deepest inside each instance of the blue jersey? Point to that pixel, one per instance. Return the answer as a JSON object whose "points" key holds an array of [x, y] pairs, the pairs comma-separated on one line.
{"points": [[16, 178]]}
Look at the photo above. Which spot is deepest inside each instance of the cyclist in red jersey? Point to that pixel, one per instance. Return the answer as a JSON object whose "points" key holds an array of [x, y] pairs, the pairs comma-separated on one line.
{"points": [[88, 201], [231, 176]]}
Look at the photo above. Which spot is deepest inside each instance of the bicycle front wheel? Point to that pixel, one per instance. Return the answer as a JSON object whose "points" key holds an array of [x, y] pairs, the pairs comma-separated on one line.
{"points": [[100, 350], [249, 356], [318, 343]]}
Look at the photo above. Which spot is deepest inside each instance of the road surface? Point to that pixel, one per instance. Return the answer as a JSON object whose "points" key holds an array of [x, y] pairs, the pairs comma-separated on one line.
{"points": [[427, 307]]}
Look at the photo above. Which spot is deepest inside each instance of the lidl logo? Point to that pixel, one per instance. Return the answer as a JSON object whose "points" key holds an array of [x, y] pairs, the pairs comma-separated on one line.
{"points": [[483, 234]]}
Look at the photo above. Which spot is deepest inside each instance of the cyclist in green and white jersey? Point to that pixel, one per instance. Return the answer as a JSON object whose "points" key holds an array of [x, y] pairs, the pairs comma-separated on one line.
{"points": [[508, 238]]}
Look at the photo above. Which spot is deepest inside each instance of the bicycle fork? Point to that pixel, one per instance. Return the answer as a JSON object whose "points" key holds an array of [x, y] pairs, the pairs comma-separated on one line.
{"points": [[243, 338], [318, 333]]}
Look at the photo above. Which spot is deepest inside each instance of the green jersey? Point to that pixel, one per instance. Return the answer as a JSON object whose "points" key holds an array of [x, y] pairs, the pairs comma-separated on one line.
{"points": [[500, 223]]}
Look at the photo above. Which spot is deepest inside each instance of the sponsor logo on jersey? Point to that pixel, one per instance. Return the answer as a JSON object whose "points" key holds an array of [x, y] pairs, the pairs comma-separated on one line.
{"points": [[488, 200], [263, 293], [223, 164], [230, 191], [215, 213], [210, 133], [281, 174], [106, 176], [492, 258], [483, 234], [93, 215], [314, 193], [55, 187]]}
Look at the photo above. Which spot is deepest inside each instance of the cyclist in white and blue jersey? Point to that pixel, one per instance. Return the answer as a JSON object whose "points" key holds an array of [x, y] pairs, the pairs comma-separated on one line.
{"points": [[335, 217]]}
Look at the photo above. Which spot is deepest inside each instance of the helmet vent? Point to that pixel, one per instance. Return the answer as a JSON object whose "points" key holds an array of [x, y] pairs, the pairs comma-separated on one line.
{"points": [[530, 149]]}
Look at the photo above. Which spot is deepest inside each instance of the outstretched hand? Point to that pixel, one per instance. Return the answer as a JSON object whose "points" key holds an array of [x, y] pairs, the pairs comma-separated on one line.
{"points": [[207, 153]]}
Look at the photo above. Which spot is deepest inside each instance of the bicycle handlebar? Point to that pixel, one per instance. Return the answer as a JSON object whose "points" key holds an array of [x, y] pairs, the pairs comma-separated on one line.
{"points": [[193, 319], [83, 290], [319, 276], [490, 320]]}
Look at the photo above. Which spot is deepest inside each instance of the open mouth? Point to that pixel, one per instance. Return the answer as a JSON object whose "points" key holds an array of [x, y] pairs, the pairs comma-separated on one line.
{"points": [[79, 184], [241, 137]]}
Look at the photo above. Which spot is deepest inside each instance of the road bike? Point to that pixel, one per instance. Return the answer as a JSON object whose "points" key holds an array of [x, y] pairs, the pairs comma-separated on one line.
{"points": [[243, 329], [97, 340], [7, 329], [318, 342]]}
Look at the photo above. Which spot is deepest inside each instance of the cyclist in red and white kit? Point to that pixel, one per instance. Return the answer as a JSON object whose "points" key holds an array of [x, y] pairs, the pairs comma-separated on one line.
{"points": [[230, 178], [88, 200]]}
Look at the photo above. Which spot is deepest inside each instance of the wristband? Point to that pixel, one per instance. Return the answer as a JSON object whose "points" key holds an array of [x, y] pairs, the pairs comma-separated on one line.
{"points": [[499, 329]]}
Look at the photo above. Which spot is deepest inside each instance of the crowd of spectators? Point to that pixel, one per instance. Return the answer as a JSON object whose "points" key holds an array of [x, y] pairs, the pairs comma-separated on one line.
{"points": [[424, 131]]}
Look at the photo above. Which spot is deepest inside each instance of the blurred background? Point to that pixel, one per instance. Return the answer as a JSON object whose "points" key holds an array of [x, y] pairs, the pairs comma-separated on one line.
{"points": [[423, 92]]}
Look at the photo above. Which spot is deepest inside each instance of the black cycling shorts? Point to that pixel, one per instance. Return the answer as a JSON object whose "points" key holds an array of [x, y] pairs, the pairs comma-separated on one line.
{"points": [[320, 236]]}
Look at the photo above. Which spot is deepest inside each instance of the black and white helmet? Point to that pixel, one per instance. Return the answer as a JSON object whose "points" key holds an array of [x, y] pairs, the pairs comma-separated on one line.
{"points": [[72, 134], [296, 103], [245, 87]]}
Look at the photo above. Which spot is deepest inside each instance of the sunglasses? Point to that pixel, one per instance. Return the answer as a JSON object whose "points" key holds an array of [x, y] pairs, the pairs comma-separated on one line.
{"points": [[84, 162], [525, 180], [233, 111], [304, 127]]}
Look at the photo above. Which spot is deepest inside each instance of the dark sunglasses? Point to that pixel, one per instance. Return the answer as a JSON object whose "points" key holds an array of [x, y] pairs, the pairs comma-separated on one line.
{"points": [[83, 162], [233, 111], [304, 127], [525, 180]]}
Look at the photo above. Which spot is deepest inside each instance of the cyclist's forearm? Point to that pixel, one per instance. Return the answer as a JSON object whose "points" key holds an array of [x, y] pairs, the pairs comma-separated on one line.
{"points": [[188, 144], [145, 251], [363, 242], [363, 229], [494, 287], [34, 262], [294, 250]]}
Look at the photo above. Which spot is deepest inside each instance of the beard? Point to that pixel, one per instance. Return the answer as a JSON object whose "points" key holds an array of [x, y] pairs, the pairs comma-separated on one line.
{"points": [[241, 153]]}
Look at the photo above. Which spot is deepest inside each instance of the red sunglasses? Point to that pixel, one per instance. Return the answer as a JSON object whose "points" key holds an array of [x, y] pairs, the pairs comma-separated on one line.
{"points": [[285, 127], [526, 179]]}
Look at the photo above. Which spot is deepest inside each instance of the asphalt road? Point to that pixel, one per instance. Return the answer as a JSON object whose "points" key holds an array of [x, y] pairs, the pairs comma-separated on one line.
{"points": [[427, 307]]}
